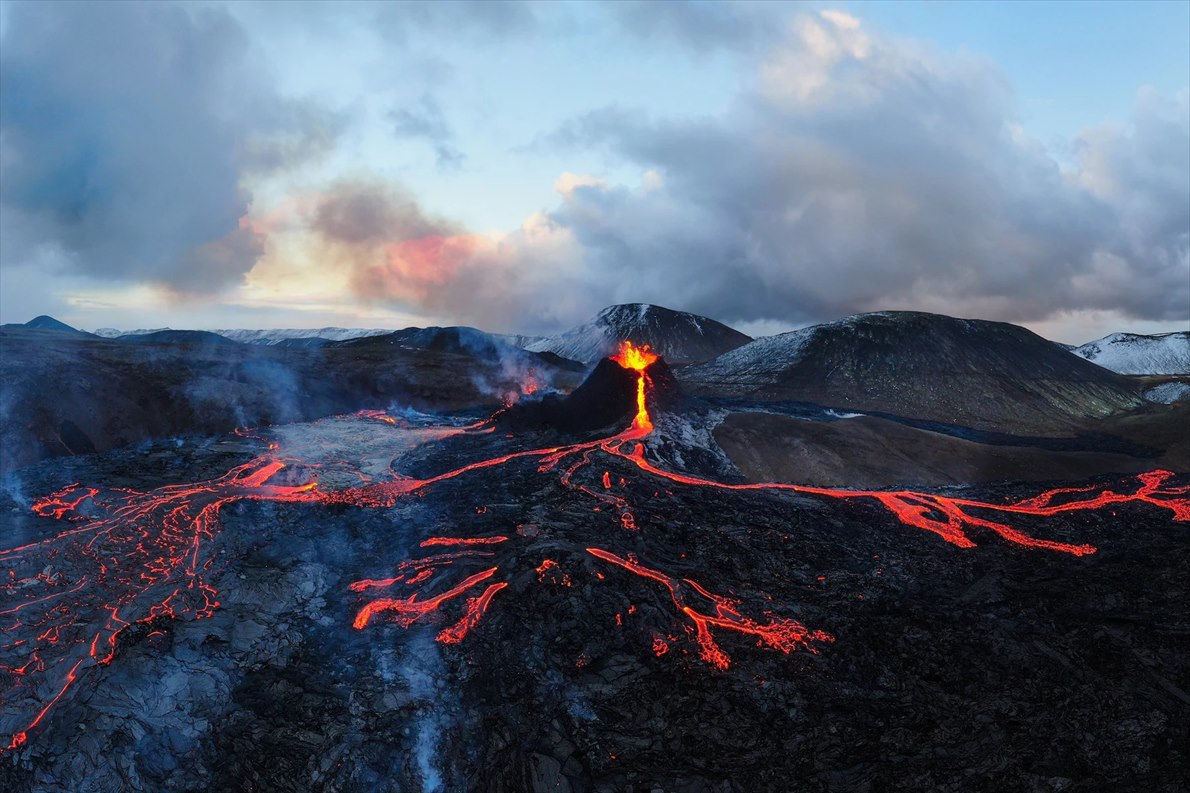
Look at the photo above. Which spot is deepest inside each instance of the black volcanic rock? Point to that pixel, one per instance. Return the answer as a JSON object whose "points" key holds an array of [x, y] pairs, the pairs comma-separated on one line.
{"points": [[986, 375], [606, 398], [953, 669], [460, 340], [65, 393], [678, 337]]}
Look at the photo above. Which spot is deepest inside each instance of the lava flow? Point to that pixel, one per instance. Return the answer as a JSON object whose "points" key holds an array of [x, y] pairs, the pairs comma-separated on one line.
{"points": [[639, 359], [778, 633], [144, 557]]}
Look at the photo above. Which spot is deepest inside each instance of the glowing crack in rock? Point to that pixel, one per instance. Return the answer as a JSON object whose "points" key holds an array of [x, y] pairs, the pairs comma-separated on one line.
{"points": [[785, 635], [143, 557]]}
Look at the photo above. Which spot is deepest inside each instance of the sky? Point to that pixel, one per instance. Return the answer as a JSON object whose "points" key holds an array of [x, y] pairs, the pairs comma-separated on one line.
{"points": [[519, 166]]}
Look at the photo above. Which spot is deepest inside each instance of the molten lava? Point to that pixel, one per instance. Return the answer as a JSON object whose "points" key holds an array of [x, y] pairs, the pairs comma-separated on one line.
{"points": [[785, 635], [144, 557], [638, 359]]}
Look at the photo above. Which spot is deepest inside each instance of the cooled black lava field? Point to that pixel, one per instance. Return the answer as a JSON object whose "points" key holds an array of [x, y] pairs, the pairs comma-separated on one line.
{"points": [[384, 601]]}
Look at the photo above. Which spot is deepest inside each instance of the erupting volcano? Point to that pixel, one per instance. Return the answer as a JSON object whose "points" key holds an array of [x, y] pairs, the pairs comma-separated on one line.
{"points": [[134, 561]]}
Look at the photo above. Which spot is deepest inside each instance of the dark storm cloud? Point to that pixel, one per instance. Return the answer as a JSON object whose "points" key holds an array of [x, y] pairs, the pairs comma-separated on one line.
{"points": [[863, 174], [424, 120], [127, 131]]}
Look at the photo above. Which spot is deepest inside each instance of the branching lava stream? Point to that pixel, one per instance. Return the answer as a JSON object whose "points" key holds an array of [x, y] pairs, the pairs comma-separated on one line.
{"points": [[141, 557]]}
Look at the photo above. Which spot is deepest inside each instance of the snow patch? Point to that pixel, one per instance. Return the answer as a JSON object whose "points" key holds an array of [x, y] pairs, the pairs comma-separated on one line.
{"points": [[1132, 353], [1168, 393]]}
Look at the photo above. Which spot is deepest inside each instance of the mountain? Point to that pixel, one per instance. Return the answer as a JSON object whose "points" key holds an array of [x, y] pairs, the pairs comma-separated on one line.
{"points": [[203, 337], [45, 322], [678, 337], [456, 339], [277, 335], [1132, 353], [974, 373], [114, 333], [67, 393], [264, 336]]}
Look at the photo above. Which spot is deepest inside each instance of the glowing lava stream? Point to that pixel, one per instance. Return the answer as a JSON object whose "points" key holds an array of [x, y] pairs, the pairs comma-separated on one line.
{"points": [[785, 635], [143, 557]]}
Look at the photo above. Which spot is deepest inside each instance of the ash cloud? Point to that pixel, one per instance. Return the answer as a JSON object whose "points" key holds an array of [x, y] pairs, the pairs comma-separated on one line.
{"points": [[128, 131]]}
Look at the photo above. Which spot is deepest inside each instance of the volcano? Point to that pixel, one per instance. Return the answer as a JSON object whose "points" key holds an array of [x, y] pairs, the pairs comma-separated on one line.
{"points": [[606, 399]]}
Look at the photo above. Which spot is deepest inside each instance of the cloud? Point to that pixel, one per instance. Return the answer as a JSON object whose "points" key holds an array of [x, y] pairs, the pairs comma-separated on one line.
{"points": [[480, 20], [387, 250], [370, 212], [424, 120], [701, 26], [127, 133], [566, 184], [385, 245], [861, 172], [853, 172]]}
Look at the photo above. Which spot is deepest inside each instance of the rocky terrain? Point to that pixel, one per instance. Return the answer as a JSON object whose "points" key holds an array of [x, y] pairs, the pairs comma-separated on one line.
{"points": [[948, 666], [649, 581], [979, 374], [65, 392]]}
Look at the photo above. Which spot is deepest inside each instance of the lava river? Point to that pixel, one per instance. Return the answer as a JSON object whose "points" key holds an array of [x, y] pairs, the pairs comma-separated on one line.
{"points": [[131, 560]]}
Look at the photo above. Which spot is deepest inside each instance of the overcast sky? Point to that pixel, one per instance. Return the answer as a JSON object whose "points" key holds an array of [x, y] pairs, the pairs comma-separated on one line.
{"points": [[519, 166]]}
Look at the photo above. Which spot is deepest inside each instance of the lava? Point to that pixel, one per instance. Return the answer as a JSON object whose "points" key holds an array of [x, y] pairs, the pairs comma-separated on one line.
{"points": [[463, 541], [954, 515], [408, 610], [140, 557], [778, 633], [638, 359]]}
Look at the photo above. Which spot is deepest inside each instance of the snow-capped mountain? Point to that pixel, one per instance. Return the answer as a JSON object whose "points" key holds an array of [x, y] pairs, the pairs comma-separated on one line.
{"points": [[679, 337], [266, 336], [927, 366], [757, 363], [1132, 353]]}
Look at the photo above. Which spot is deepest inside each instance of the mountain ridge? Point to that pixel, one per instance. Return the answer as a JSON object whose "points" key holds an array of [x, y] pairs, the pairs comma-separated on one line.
{"points": [[678, 336], [1136, 353], [972, 372]]}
